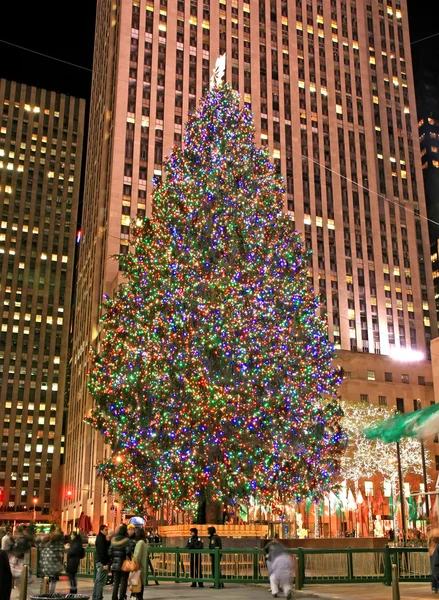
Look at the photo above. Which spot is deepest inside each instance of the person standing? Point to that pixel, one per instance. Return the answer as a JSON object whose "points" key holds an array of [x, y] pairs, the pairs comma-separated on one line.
{"points": [[214, 542], [7, 542], [75, 552], [102, 559], [51, 558], [120, 549], [195, 543], [131, 528], [433, 550], [140, 552], [5, 576]]}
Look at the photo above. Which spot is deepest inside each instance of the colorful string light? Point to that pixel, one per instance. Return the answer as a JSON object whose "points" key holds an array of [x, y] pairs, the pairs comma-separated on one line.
{"points": [[214, 376]]}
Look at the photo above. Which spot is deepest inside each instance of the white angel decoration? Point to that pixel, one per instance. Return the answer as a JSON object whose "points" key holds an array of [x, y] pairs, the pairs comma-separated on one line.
{"points": [[218, 73]]}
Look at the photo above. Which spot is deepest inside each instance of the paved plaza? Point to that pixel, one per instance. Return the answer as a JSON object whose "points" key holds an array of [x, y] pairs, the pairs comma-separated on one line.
{"points": [[169, 591]]}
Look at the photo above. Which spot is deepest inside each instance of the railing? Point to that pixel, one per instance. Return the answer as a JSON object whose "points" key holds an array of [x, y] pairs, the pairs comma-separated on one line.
{"points": [[314, 565], [248, 565]]}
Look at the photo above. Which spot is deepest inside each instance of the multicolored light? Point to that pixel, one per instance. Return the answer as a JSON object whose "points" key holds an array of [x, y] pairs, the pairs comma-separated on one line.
{"points": [[214, 376]]}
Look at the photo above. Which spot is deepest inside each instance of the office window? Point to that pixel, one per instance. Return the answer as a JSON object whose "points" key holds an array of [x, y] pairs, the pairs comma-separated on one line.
{"points": [[400, 405], [364, 398], [388, 376], [421, 380], [416, 404], [405, 378], [436, 460], [382, 400], [371, 375]]}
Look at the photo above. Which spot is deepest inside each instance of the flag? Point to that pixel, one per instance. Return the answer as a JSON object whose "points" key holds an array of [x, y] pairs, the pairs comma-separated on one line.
{"points": [[413, 511], [360, 499], [352, 505], [417, 424], [391, 515]]}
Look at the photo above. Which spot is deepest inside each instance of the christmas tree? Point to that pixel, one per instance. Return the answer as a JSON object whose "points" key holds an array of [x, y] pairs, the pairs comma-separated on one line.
{"points": [[214, 377]]}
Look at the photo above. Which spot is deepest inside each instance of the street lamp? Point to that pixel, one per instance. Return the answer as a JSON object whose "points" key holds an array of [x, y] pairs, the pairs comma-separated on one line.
{"points": [[35, 500]]}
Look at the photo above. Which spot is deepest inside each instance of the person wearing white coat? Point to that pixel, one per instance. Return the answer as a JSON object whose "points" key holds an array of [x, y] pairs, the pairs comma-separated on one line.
{"points": [[281, 577]]}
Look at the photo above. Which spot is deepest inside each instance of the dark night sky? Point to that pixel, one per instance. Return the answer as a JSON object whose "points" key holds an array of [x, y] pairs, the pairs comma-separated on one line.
{"points": [[66, 29], [61, 29]]}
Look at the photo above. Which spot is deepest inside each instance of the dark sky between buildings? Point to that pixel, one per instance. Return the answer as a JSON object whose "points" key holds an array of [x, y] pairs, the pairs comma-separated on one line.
{"points": [[66, 30]]}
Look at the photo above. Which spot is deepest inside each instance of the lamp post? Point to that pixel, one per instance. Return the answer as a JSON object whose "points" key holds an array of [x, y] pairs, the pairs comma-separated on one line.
{"points": [[35, 500], [401, 494], [424, 473]]}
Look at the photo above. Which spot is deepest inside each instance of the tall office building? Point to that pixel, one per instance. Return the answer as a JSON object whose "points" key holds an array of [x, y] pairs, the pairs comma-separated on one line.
{"points": [[330, 85], [426, 72], [41, 140]]}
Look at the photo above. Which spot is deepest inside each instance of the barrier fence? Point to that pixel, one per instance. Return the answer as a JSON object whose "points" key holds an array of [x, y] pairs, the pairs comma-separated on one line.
{"points": [[243, 566]]}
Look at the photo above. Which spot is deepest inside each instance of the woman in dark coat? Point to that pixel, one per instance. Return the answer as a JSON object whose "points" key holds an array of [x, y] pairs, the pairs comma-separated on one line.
{"points": [[120, 549], [5, 577], [75, 552]]}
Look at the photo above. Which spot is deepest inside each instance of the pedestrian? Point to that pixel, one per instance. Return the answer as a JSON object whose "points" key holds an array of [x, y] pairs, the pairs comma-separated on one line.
{"points": [[140, 553], [433, 550], [131, 528], [5, 576], [120, 549], [196, 570], [281, 576], [102, 559], [273, 549], [214, 542], [20, 546], [7, 542], [75, 552], [51, 558]]}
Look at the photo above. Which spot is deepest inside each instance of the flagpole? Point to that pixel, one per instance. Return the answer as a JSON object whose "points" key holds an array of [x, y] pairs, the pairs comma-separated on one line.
{"points": [[401, 494]]}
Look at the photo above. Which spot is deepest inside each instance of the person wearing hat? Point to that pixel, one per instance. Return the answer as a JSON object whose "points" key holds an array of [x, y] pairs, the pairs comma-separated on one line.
{"points": [[214, 542], [195, 543], [132, 536]]}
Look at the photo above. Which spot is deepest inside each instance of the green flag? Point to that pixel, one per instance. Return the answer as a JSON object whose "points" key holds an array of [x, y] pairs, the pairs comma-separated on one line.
{"points": [[420, 424]]}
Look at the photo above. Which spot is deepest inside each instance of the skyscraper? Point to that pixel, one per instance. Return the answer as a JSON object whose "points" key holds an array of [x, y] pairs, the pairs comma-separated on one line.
{"points": [[426, 70], [330, 84], [41, 140]]}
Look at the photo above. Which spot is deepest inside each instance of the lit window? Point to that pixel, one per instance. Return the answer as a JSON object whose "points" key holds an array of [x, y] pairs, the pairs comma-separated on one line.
{"points": [[371, 375], [368, 488]]}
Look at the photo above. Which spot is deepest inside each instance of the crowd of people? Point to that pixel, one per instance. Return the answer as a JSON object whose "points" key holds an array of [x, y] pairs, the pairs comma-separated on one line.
{"points": [[121, 559]]}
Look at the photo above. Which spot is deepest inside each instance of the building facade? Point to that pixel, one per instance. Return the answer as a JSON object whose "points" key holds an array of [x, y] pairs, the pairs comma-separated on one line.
{"points": [[426, 70], [331, 88], [435, 268], [41, 141]]}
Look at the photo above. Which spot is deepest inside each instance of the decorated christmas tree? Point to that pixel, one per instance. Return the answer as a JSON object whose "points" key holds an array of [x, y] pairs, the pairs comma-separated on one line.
{"points": [[214, 377]]}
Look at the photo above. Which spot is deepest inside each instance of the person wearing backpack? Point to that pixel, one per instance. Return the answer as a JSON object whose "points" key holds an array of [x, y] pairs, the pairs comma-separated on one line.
{"points": [[75, 552]]}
